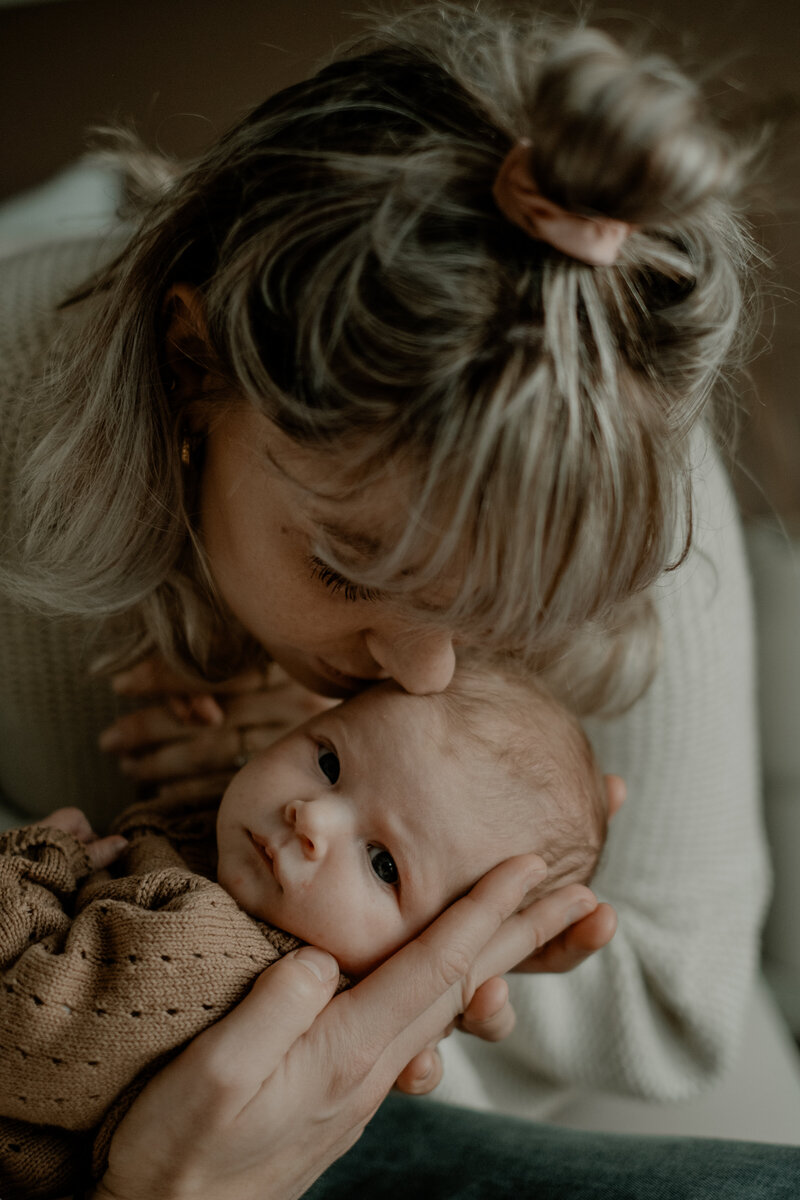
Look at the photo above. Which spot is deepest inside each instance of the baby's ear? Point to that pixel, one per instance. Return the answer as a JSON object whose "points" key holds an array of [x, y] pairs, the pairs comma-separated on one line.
{"points": [[615, 793]]}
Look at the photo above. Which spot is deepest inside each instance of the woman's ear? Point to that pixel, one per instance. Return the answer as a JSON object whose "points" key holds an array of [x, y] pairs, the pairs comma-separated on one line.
{"points": [[187, 350]]}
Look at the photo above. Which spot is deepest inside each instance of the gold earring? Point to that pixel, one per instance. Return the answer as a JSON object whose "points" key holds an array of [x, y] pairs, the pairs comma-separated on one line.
{"points": [[186, 451]]}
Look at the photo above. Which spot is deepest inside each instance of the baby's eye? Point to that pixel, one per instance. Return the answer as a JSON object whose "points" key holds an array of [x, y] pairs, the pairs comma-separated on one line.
{"points": [[383, 864], [328, 763]]}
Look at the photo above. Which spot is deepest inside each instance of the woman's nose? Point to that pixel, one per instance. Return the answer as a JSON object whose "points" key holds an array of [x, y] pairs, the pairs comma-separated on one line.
{"points": [[316, 824], [421, 662]]}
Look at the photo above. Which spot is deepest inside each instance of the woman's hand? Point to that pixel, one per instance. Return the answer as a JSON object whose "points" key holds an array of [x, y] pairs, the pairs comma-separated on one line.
{"points": [[265, 1100], [101, 852], [490, 1015], [191, 743]]}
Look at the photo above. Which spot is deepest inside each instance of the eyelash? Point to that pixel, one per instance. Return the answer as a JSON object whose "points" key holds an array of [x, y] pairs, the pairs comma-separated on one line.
{"points": [[337, 583]]}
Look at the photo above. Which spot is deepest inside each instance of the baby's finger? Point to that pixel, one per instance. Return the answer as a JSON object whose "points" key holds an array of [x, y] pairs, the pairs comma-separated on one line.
{"points": [[69, 820], [104, 851]]}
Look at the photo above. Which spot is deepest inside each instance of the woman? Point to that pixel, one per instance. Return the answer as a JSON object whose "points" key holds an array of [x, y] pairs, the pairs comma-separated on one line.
{"points": [[415, 356]]}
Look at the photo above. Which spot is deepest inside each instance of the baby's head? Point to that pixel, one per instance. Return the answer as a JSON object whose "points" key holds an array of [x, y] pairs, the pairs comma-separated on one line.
{"points": [[357, 828]]}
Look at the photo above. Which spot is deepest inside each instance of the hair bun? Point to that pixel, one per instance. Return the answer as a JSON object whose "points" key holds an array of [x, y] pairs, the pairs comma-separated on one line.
{"points": [[621, 136]]}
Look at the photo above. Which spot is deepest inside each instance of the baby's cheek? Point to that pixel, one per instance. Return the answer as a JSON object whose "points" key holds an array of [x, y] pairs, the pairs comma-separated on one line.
{"points": [[375, 941]]}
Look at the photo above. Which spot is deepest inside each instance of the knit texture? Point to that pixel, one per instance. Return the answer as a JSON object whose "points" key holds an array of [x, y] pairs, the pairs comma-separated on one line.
{"points": [[104, 979]]}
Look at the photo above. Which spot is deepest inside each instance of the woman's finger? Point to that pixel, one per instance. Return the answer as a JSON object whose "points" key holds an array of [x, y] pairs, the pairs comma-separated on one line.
{"points": [[201, 709], [145, 727], [525, 933], [422, 1075], [574, 944], [616, 791], [281, 706], [152, 677], [264, 715], [196, 787], [431, 980], [208, 750], [243, 1050], [489, 1014]]}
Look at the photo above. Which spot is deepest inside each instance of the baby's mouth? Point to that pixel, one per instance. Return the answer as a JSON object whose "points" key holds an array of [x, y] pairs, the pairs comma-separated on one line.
{"points": [[265, 854]]}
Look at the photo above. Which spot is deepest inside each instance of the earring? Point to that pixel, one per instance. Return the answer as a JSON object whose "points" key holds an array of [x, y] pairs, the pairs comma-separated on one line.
{"points": [[186, 451]]}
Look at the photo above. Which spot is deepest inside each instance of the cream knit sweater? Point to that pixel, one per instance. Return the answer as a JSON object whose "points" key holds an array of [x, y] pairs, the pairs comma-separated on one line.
{"points": [[659, 1012]]}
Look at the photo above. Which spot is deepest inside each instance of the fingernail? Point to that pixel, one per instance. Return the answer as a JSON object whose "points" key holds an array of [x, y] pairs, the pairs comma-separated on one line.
{"points": [[318, 963], [127, 765], [110, 739], [580, 908]]}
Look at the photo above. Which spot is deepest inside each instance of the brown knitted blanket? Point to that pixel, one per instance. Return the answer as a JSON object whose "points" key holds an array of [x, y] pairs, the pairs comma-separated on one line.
{"points": [[105, 976]]}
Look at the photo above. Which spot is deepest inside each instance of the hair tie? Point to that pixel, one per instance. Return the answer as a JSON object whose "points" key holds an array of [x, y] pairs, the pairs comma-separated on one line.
{"points": [[593, 240]]}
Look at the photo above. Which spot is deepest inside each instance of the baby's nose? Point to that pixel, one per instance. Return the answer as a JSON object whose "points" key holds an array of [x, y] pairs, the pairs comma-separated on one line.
{"points": [[316, 824]]}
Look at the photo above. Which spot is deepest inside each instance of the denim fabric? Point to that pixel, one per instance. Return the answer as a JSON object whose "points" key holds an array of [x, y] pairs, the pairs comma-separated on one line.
{"points": [[437, 1152]]}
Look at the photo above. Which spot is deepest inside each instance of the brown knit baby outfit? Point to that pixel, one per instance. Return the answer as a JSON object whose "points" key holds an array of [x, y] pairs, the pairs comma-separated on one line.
{"points": [[102, 977]]}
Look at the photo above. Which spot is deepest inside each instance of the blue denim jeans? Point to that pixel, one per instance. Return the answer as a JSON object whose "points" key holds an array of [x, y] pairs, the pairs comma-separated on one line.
{"points": [[437, 1152]]}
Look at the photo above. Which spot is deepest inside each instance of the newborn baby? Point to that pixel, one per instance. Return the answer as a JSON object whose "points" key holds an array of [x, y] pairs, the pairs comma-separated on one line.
{"points": [[352, 832]]}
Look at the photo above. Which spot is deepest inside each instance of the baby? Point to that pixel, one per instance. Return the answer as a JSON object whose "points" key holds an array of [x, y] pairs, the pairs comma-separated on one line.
{"points": [[352, 832]]}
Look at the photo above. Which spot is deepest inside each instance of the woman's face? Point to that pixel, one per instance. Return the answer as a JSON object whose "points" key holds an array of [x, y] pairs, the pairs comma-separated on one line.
{"points": [[259, 525]]}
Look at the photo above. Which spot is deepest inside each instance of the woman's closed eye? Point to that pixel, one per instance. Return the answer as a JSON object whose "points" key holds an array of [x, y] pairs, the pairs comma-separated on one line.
{"points": [[337, 583], [328, 763], [383, 864]]}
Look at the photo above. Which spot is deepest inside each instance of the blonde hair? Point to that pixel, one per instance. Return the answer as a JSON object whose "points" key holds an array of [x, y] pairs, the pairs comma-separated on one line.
{"points": [[362, 290]]}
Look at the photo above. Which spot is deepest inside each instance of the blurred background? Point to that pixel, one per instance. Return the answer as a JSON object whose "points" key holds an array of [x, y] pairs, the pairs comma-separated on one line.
{"points": [[182, 70]]}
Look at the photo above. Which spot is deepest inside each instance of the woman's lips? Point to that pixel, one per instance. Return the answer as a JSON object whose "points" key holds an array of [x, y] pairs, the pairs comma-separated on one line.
{"points": [[354, 682]]}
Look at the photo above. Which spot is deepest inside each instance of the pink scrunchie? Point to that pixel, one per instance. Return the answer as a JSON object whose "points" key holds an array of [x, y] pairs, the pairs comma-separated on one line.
{"points": [[593, 240]]}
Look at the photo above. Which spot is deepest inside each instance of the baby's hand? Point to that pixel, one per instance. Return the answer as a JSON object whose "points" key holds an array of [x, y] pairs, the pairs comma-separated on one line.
{"points": [[101, 852]]}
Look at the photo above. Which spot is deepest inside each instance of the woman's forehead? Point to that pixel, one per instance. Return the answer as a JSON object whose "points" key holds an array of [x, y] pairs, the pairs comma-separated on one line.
{"points": [[341, 484], [363, 512]]}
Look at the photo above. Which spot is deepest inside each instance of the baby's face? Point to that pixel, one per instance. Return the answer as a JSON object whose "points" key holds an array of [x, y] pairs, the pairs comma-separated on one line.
{"points": [[355, 830]]}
